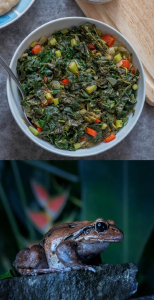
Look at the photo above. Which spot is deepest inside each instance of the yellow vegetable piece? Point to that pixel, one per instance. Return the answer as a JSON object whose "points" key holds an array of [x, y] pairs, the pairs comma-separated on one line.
{"points": [[33, 44], [73, 67], [99, 32], [66, 127], [90, 89], [88, 71], [83, 111], [48, 96], [77, 146], [64, 31], [73, 42], [33, 130], [58, 53], [119, 123], [56, 101], [135, 87], [53, 42], [117, 57], [104, 125]]}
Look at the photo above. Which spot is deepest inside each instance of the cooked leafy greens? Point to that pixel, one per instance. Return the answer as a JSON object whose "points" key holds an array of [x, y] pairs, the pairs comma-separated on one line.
{"points": [[79, 88]]}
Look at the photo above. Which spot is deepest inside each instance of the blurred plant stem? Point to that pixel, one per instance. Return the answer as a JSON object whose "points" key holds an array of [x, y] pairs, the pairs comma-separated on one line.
{"points": [[22, 198], [53, 170], [125, 183], [10, 216]]}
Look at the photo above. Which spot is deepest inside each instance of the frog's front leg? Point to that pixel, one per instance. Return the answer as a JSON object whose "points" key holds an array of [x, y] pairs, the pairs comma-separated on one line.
{"points": [[68, 256]]}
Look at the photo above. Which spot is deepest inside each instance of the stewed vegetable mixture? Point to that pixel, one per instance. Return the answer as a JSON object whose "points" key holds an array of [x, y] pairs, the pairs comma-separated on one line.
{"points": [[80, 84]]}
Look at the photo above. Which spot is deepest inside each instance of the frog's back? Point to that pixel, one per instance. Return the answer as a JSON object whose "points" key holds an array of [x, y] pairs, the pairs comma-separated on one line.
{"points": [[62, 232]]}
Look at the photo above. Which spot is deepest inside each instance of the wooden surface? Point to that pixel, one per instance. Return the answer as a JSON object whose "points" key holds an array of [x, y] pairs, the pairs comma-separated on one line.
{"points": [[135, 20]]}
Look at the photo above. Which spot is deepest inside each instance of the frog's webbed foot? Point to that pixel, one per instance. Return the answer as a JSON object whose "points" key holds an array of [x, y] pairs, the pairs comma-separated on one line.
{"points": [[68, 256], [34, 272], [84, 267]]}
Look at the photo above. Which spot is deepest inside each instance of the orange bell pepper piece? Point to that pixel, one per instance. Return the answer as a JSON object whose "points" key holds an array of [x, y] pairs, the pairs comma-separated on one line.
{"points": [[108, 39], [125, 63], [36, 49], [91, 132], [110, 138]]}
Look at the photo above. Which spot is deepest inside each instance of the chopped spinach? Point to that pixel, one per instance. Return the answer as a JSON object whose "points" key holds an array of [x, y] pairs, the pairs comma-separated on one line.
{"points": [[74, 83]]}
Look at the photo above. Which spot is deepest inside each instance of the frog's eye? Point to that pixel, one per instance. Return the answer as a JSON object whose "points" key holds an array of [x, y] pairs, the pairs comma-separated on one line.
{"points": [[101, 226]]}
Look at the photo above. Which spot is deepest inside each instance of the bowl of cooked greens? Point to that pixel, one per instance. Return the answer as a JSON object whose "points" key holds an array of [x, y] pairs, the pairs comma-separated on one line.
{"points": [[84, 86]]}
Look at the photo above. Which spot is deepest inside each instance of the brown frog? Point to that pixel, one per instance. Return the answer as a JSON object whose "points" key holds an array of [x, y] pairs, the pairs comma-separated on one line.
{"points": [[69, 246]]}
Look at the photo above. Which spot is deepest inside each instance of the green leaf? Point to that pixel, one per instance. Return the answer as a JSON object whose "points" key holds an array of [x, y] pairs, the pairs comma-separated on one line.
{"points": [[122, 191], [53, 170], [8, 274]]}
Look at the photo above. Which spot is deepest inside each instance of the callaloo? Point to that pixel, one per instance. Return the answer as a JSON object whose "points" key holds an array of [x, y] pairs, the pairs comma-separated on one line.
{"points": [[80, 85]]}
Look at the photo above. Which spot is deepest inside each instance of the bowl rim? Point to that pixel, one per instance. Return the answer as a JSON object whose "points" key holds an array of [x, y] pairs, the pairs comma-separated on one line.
{"points": [[62, 151], [18, 15]]}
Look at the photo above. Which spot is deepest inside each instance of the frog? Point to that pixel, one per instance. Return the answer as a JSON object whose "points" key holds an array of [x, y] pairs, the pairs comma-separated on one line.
{"points": [[69, 246]]}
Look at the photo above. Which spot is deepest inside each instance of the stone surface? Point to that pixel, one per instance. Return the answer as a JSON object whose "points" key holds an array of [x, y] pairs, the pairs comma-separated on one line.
{"points": [[116, 282], [14, 144]]}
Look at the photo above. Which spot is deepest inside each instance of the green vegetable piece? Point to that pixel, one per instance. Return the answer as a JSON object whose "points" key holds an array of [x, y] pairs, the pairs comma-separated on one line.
{"points": [[88, 71], [73, 42], [56, 101], [135, 87], [64, 31], [119, 123], [112, 103], [58, 53], [118, 57], [112, 80], [99, 32], [33, 44], [104, 125], [66, 127], [48, 96], [33, 130], [90, 89], [53, 42], [77, 146], [73, 67]]}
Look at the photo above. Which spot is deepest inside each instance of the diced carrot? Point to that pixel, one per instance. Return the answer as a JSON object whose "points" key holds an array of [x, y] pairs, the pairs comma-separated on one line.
{"points": [[45, 79], [110, 138], [133, 70], [108, 39], [97, 121], [65, 81], [91, 47], [83, 139], [39, 129], [46, 89], [36, 49], [46, 102], [125, 63], [34, 125], [91, 132]]}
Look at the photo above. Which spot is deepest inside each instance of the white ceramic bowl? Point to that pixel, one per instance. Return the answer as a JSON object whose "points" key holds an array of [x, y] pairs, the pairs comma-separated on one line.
{"points": [[14, 97]]}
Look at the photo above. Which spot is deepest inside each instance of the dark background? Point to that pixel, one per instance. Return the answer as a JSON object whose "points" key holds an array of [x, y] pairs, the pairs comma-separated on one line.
{"points": [[122, 191]]}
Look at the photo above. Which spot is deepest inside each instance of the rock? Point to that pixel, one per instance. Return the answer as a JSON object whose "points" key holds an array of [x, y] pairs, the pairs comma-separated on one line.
{"points": [[110, 282], [144, 298]]}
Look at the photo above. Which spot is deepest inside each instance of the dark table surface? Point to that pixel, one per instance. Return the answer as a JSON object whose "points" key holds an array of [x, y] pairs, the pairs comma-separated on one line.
{"points": [[139, 144]]}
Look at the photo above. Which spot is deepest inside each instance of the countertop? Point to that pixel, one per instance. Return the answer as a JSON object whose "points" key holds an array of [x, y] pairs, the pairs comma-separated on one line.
{"points": [[14, 144]]}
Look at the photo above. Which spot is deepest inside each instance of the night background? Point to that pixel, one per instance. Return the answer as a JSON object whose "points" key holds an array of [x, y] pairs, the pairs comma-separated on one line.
{"points": [[35, 195]]}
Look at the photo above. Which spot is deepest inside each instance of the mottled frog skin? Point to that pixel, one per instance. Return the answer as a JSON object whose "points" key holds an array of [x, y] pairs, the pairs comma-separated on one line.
{"points": [[68, 246]]}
